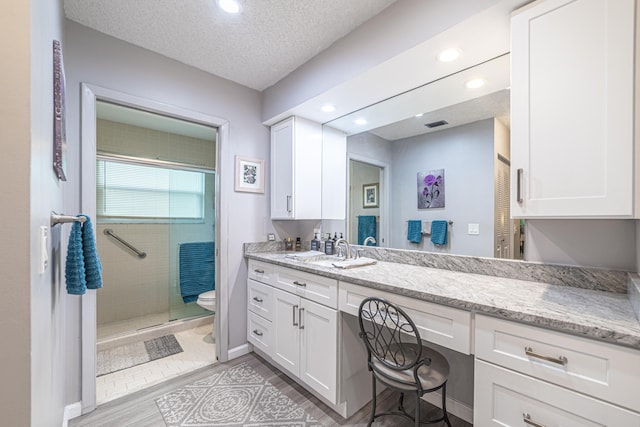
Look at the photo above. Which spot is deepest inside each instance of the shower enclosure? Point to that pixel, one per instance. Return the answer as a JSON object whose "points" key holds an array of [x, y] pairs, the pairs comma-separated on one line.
{"points": [[155, 190]]}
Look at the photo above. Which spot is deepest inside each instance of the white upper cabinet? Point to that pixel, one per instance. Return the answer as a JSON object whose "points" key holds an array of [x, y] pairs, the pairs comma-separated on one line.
{"points": [[572, 103], [296, 169]]}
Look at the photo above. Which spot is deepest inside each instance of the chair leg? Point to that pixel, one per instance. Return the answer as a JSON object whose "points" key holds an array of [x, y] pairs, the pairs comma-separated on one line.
{"points": [[417, 421], [373, 400], [444, 405]]}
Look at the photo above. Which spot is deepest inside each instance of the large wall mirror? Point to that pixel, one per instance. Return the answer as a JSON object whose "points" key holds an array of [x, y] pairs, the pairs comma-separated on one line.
{"points": [[437, 153]]}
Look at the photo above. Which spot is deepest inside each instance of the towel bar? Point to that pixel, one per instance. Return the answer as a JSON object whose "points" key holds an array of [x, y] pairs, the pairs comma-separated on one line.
{"points": [[63, 219]]}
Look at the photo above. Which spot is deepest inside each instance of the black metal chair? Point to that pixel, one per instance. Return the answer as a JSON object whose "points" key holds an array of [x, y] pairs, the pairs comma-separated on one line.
{"points": [[397, 358]]}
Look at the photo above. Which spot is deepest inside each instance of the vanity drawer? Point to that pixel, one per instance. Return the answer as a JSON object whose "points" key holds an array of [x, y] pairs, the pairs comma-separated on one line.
{"points": [[320, 289], [260, 298], [506, 398], [260, 333], [446, 326], [261, 271], [606, 371]]}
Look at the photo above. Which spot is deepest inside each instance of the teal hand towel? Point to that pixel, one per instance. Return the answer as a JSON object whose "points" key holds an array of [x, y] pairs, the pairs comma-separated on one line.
{"points": [[92, 265], [439, 232], [83, 269], [366, 228], [414, 231], [74, 267]]}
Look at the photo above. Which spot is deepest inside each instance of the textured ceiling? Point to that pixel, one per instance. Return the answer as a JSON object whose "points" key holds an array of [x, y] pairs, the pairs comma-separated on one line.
{"points": [[259, 46]]}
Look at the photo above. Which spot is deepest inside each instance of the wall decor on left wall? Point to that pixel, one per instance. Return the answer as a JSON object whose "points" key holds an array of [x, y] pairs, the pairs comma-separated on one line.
{"points": [[249, 175], [59, 129]]}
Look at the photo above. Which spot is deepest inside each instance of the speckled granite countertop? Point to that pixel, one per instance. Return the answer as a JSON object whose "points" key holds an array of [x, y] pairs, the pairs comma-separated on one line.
{"points": [[601, 315]]}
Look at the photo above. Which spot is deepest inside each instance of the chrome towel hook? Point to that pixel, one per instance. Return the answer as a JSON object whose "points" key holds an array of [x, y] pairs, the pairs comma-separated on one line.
{"points": [[63, 219]]}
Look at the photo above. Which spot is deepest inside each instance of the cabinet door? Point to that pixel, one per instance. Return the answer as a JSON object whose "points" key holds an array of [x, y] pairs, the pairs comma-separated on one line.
{"points": [[286, 332], [282, 170], [318, 348], [572, 93]]}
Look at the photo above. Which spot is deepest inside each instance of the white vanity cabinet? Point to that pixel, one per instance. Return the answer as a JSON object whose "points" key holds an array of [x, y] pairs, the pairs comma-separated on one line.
{"points": [[572, 103], [296, 169], [293, 318], [525, 375]]}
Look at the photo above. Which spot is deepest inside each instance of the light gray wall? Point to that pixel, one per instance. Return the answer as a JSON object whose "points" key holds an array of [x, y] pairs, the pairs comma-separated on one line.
{"points": [[104, 61], [15, 268], [399, 27], [466, 155]]}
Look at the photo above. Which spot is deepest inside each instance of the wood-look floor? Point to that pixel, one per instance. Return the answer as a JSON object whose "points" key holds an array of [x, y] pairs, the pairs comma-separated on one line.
{"points": [[140, 410]]}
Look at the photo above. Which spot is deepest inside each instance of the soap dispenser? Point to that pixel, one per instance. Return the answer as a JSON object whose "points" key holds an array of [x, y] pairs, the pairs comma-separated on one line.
{"points": [[328, 245], [315, 243]]}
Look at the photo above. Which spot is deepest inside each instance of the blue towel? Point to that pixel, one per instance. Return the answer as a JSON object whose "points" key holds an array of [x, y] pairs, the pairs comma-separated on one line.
{"points": [[83, 269], [439, 235], [92, 265], [414, 231], [366, 228], [197, 269]]}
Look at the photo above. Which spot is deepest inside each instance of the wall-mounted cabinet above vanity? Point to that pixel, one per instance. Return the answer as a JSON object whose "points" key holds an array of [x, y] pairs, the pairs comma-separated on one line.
{"points": [[572, 104], [308, 171]]}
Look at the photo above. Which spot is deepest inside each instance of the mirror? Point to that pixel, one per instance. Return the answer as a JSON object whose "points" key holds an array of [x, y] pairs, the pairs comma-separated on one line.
{"points": [[439, 152]]}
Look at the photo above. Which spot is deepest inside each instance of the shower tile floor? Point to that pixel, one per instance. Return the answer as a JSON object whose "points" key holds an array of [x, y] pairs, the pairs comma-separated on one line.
{"points": [[199, 350]]}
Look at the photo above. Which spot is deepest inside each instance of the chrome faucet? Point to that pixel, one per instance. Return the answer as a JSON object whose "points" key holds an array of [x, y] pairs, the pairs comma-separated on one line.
{"points": [[347, 254], [369, 239]]}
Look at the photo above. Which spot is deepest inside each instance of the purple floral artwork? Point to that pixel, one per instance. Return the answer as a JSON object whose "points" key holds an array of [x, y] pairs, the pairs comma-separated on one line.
{"points": [[431, 189]]}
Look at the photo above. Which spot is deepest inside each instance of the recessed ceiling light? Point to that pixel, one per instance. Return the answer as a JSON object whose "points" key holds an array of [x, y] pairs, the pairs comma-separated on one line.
{"points": [[419, 115], [449, 55], [474, 84], [360, 122], [229, 6], [328, 108]]}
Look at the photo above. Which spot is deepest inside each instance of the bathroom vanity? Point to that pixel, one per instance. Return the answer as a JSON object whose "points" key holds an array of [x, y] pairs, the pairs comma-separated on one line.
{"points": [[544, 351]]}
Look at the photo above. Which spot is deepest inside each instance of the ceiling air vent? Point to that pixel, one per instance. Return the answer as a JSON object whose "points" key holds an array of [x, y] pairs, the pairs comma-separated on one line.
{"points": [[436, 124]]}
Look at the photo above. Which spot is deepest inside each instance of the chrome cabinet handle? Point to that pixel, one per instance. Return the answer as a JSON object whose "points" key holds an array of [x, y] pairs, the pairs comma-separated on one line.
{"points": [[527, 419], [299, 283], [561, 360], [256, 299], [519, 185], [257, 332], [300, 312], [288, 203], [295, 307], [257, 270]]}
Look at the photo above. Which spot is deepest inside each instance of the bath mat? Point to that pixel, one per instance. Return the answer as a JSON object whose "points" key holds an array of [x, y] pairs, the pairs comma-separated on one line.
{"points": [[129, 355], [236, 396]]}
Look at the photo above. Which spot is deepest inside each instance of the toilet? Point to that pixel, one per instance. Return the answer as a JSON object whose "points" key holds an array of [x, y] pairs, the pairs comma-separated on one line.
{"points": [[207, 300]]}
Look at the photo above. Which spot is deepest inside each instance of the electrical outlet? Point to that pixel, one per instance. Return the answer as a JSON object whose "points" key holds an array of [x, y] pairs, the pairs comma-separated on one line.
{"points": [[473, 229]]}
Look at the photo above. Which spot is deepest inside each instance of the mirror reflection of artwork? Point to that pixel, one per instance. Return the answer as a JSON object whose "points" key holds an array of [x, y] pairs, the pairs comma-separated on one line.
{"points": [[370, 195], [250, 174], [431, 189]]}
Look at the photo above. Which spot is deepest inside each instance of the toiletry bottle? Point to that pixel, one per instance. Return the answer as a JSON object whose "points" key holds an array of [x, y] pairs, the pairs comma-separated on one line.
{"points": [[298, 244], [328, 245], [288, 244], [315, 243]]}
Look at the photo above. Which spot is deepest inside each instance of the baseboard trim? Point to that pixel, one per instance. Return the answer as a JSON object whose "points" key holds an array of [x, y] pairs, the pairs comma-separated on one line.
{"points": [[454, 407], [71, 411], [238, 351]]}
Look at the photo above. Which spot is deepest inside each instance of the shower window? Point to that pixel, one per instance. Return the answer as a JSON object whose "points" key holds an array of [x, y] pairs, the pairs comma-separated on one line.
{"points": [[148, 192]]}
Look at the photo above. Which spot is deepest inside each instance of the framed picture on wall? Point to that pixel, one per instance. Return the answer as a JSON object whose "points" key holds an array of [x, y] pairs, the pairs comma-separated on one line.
{"points": [[370, 195], [249, 175]]}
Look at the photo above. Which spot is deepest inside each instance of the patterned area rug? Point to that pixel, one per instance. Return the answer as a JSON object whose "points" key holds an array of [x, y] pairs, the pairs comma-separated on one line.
{"points": [[128, 355], [237, 396]]}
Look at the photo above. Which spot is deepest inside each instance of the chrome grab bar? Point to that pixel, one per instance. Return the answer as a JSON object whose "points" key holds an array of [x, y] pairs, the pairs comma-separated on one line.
{"points": [[109, 232]]}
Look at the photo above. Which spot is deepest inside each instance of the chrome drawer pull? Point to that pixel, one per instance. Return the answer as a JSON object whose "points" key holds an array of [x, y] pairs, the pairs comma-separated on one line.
{"points": [[300, 311], [295, 307], [257, 332], [256, 299], [519, 186], [527, 420], [299, 283], [561, 360], [259, 271]]}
